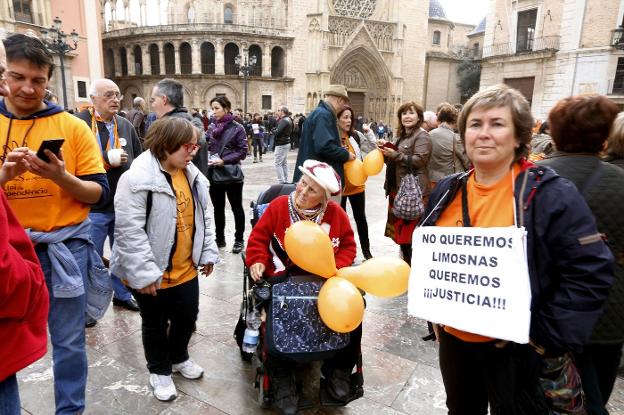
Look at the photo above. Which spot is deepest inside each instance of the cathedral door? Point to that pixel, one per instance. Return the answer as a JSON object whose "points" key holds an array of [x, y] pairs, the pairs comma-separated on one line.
{"points": [[357, 103]]}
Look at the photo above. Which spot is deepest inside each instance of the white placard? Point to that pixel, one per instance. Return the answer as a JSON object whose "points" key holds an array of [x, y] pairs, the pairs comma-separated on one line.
{"points": [[472, 279]]}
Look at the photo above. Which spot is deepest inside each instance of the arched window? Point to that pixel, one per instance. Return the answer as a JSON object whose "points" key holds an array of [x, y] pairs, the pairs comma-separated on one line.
{"points": [[229, 54], [207, 58], [254, 50], [110, 63], [169, 59], [436, 37], [186, 58], [138, 60], [475, 50], [124, 61], [277, 62], [154, 59], [228, 14]]}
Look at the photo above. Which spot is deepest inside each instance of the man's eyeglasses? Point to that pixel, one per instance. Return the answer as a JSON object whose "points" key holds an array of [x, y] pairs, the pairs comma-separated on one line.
{"points": [[112, 94], [190, 147]]}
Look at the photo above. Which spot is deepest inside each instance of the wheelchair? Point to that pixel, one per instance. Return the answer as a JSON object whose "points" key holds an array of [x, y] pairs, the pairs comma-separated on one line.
{"points": [[266, 351]]}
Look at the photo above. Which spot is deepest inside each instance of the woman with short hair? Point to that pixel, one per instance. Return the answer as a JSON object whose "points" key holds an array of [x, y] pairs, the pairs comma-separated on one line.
{"points": [[163, 234], [580, 126], [569, 265], [447, 150]]}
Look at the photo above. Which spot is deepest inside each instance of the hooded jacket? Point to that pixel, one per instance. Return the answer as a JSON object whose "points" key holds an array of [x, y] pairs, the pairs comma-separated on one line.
{"points": [[570, 266], [40, 203], [23, 297], [144, 243]]}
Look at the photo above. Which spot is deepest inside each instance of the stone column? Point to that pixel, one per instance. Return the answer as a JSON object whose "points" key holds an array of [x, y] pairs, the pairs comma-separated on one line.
{"points": [[219, 58], [161, 53], [130, 59], [117, 56], [196, 56], [143, 12], [288, 61], [147, 63], [266, 60], [176, 54]]}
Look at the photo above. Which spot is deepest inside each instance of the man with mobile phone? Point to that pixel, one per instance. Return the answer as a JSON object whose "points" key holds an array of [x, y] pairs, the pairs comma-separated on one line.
{"points": [[52, 200], [119, 145]]}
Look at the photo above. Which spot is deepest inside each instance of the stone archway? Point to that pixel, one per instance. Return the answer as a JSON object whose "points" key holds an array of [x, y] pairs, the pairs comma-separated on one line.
{"points": [[367, 79], [221, 88]]}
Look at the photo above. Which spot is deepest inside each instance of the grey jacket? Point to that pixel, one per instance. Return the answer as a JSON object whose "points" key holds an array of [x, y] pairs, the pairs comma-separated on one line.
{"points": [[447, 153], [141, 252]]}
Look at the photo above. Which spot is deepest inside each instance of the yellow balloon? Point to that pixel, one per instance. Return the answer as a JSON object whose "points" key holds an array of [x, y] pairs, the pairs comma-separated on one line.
{"points": [[380, 276], [354, 172], [373, 162], [340, 305], [310, 248]]}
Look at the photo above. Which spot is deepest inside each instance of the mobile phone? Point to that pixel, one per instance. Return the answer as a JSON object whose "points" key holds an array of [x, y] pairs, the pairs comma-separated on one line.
{"points": [[53, 144]]}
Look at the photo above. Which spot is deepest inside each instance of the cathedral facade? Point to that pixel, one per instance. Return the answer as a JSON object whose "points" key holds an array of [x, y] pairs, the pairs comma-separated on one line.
{"points": [[376, 48]]}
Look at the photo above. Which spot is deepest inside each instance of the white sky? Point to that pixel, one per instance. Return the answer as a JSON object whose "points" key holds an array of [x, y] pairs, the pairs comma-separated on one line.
{"points": [[465, 11]]}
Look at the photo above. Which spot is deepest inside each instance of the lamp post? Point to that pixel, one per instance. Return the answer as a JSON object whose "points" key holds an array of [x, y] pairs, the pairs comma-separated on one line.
{"points": [[246, 64], [56, 41]]}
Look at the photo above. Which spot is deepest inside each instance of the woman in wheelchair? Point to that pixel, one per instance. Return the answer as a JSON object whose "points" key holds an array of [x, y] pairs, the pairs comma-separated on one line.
{"points": [[266, 258]]}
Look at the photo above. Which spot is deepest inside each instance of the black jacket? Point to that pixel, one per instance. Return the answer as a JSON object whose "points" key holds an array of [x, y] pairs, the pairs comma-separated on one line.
{"points": [[606, 200], [283, 131], [570, 266]]}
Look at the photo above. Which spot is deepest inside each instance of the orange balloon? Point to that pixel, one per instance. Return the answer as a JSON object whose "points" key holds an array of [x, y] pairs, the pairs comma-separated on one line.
{"points": [[354, 172], [310, 248], [373, 162], [380, 276], [340, 305]]}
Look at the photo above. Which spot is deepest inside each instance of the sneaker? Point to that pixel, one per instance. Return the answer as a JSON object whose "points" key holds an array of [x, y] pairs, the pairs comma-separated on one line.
{"points": [[237, 248], [163, 387], [189, 369]]}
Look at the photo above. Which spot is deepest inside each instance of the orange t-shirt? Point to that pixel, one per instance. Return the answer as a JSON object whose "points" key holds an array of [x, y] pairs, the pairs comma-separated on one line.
{"points": [[40, 204], [182, 269], [350, 188], [488, 206]]}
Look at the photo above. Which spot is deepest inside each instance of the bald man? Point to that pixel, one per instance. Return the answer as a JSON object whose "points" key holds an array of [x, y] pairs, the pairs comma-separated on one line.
{"points": [[119, 145]]}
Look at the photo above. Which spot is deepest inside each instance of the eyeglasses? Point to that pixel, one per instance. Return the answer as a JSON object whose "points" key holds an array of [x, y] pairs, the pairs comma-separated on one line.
{"points": [[112, 94], [190, 147]]}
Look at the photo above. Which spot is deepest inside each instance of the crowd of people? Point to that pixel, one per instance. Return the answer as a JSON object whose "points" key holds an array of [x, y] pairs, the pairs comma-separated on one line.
{"points": [[154, 183]]}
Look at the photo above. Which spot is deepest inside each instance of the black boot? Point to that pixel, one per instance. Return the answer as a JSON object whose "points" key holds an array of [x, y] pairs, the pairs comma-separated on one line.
{"points": [[285, 391], [338, 383]]}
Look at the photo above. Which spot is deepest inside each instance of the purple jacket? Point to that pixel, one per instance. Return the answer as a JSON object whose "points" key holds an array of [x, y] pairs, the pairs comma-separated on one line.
{"points": [[236, 142]]}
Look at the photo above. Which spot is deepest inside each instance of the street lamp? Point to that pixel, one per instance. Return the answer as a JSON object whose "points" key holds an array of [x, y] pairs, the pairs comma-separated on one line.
{"points": [[56, 41], [246, 64]]}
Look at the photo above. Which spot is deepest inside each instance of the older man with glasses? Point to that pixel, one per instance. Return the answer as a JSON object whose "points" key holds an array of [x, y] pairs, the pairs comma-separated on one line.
{"points": [[119, 145]]}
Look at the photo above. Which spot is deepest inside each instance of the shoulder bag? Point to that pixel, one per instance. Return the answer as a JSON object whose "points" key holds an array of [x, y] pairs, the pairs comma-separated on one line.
{"points": [[226, 174], [408, 203]]}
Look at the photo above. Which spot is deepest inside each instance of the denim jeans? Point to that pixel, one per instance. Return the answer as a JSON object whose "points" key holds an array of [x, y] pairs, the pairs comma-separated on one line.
{"points": [[102, 225], [258, 145], [281, 162], [66, 323], [9, 397]]}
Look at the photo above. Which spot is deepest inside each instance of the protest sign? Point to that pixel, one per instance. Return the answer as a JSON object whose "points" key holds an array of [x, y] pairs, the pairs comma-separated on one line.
{"points": [[472, 279]]}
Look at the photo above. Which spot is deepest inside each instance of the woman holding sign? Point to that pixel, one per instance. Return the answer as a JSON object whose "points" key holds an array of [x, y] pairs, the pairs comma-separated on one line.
{"points": [[569, 265]]}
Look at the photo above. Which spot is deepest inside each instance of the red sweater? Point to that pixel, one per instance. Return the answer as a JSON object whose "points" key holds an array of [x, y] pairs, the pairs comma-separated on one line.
{"points": [[23, 297], [274, 222]]}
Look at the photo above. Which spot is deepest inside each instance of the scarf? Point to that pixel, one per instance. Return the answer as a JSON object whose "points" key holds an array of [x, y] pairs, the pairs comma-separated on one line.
{"points": [[296, 214], [221, 124], [114, 141]]}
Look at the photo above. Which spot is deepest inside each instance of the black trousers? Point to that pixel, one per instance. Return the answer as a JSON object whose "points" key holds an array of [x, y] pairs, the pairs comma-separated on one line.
{"points": [[167, 324], [476, 374], [358, 205], [234, 194], [345, 359], [598, 366]]}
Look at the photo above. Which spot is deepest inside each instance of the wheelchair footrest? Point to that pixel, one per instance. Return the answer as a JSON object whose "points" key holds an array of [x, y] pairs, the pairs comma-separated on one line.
{"points": [[357, 391]]}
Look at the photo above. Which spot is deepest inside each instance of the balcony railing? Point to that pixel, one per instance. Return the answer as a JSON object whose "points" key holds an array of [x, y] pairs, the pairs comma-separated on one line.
{"points": [[186, 68], [617, 38], [231, 69], [195, 28], [539, 44], [208, 68]]}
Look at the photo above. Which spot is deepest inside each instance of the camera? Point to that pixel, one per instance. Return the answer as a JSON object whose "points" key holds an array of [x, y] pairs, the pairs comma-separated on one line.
{"points": [[261, 291]]}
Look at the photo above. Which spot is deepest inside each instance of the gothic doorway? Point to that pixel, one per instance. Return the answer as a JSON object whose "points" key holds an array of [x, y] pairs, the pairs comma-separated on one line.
{"points": [[357, 103]]}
